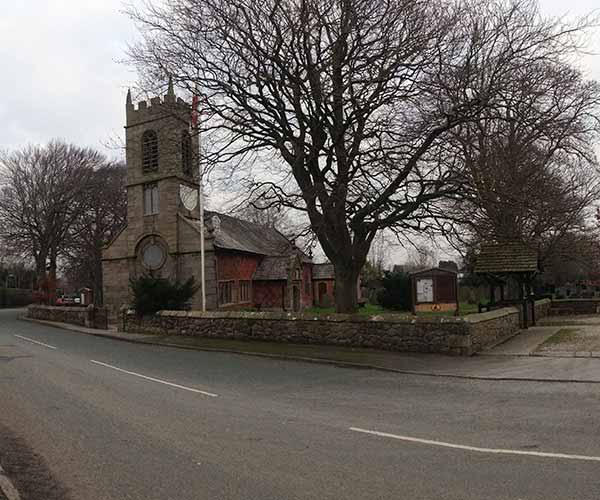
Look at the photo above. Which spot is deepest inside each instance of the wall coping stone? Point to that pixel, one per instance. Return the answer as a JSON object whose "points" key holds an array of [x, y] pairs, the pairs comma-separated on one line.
{"points": [[491, 315], [565, 301], [542, 302], [288, 316], [58, 308]]}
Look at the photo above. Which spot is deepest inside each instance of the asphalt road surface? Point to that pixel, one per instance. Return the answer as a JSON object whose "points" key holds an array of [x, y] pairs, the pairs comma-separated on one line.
{"points": [[113, 420]]}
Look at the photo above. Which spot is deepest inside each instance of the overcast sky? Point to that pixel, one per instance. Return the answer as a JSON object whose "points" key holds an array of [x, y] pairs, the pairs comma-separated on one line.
{"points": [[61, 75]]}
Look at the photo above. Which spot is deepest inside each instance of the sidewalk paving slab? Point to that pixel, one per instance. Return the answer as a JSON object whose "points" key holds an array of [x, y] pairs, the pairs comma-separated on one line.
{"points": [[524, 343], [486, 367]]}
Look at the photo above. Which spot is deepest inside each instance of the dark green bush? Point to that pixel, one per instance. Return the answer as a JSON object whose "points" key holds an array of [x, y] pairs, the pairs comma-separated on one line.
{"points": [[396, 293], [152, 294]]}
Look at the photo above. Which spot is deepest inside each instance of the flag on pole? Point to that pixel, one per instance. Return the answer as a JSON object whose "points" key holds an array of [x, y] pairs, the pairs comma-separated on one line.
{"points": [[194, 124]]}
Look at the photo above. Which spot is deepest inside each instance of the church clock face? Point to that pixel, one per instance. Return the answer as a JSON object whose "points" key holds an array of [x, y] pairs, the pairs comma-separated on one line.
{"points": [[189, 196]]}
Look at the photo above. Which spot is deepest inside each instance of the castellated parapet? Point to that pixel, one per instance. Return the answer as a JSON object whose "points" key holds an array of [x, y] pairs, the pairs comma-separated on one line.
{"points": [[169, 118], [157, 108]]}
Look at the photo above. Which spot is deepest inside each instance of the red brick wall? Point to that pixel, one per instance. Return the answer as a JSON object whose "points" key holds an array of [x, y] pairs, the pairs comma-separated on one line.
{"points": [[236, 266], [329, 286], [268, 294], [307, 286]]}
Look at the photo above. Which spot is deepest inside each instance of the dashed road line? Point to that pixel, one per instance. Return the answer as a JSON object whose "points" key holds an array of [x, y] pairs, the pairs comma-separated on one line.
{"points": [[500, 451], [7, 487], [35, 342], [185, 388]]}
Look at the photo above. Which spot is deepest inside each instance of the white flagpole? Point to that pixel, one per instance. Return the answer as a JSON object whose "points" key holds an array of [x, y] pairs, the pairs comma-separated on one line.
{"points": [[201, 205]]}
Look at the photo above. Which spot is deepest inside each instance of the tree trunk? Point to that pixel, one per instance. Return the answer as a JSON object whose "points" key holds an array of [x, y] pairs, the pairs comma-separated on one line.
{"points": [[52, 284], [98, 285], [346, 290]]}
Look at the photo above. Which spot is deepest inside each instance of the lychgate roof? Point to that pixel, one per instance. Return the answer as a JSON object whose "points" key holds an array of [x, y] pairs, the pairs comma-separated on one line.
{"points": [[506, 258]]}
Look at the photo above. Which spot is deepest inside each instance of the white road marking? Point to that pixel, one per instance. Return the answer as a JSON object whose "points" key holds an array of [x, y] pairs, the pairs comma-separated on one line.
{"points": [[191, 389], [36, 342], [477, 449], [7, 487]]}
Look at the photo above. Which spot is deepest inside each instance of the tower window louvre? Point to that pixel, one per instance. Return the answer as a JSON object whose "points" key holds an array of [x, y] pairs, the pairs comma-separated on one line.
{"points": [[149, 151]]}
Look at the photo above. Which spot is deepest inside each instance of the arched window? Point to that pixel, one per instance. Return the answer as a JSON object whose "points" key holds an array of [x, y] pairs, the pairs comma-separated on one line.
{"points": [[186, 152], [149, 151]]}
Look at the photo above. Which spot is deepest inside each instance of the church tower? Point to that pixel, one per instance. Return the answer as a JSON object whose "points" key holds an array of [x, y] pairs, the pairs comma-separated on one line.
{"points": [[162, 234]]}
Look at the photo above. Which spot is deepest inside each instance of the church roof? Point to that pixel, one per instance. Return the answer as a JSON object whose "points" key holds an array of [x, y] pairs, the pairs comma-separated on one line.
{"points": [[238, 234], [323, 271], [244, 236], [273, 268]]}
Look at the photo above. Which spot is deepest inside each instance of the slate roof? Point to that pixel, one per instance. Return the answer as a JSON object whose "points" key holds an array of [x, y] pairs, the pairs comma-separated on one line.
{"points": [[273, 268], [238, 234], [244, 236], [506, 258], [323, 271]]}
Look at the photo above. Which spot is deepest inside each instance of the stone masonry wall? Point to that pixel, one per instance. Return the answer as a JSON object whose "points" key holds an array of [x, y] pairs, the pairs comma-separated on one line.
{"points": [[442, 335], [542, 308], [90, 316], [576, 306], [445, 335], [493, 327]]}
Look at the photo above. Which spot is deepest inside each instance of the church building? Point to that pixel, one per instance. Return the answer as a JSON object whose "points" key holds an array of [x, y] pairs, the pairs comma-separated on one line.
{"points": [[246, 265]]}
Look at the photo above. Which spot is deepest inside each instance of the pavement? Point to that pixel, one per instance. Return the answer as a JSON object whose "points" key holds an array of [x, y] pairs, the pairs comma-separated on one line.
{"points": [[109, 419]]}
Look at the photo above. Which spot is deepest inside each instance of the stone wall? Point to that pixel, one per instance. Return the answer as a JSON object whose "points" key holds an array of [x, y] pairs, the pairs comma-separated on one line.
{"points": [[445, 335], [493, 327], [575, 306], [90, 316], [542, 308]]}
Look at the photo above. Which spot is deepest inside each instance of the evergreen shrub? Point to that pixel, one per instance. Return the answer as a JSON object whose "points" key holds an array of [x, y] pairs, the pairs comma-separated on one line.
{"points": [[151, 294], [396, 293]]}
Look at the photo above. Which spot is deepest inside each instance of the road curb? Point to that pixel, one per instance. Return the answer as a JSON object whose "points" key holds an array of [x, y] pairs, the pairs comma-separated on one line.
{"points": [[304, 359]]}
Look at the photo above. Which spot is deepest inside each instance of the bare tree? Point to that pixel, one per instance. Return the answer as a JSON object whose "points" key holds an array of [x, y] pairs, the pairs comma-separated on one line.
{"points": [[530, 171], [40, 198], [342, 107], [102, 217], [421, 257], [258, 212], [379, 253]]}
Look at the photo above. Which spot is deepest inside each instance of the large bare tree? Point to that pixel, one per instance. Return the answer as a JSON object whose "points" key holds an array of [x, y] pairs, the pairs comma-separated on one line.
{"points": [[41, 196], [102, 216], [341, 108], [530, 169]]}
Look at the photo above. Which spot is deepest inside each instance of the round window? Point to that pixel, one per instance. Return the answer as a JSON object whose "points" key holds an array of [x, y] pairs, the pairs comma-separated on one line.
{"points": [[153, 256]]}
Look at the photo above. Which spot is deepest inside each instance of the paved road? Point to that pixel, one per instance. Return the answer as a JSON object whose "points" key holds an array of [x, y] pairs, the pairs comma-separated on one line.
{"points": [[108, 426]]}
